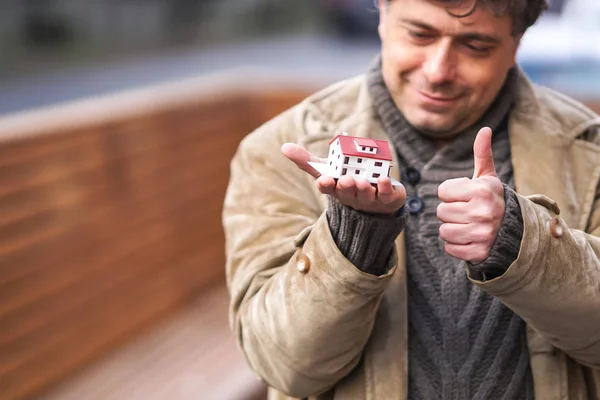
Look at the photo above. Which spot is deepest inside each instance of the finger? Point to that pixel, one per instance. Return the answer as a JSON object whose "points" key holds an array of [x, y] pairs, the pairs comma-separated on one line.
{"points": [[365, 192], [326, 185], [467, 233], [455, 213], [460, 189], [482, 151], [388, 194], [474, 253], [300, 156], [456, 233], [345, 191]]}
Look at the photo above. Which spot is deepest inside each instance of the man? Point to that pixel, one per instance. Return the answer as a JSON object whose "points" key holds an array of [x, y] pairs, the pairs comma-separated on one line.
{"points": [[485, 284]]}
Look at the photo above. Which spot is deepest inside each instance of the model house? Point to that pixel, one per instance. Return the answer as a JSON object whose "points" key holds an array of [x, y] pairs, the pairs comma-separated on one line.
{"points": [[357, 157]]}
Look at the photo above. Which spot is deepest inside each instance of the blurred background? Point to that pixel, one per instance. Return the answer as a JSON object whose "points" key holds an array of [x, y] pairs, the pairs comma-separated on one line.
{"points": [[118, 120]]}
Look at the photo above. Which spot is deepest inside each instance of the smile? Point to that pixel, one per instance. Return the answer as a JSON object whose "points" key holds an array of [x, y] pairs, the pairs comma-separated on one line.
{"points": [[437, 99]]}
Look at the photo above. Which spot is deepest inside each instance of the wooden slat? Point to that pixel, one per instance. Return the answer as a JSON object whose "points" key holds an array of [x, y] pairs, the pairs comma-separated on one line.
{"points": [[139, 165], [77, 192], [18, 289], [170, 361], [103, 330], [123, 275], [47, 252], [270, 103], [24, 299], [103, 148], [46, 141], [32, 149], [16, 241]]}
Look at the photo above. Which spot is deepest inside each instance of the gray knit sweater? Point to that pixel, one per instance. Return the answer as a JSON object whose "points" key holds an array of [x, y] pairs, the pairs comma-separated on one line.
{"points": [[463, 343]]}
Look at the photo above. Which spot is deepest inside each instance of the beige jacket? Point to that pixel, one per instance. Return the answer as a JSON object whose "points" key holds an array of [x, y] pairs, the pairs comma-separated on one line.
{"points": [[311, 324]]}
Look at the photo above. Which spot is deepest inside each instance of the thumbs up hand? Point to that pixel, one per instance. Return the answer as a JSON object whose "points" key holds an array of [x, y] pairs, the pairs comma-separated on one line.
{"points": [[472, 209]]}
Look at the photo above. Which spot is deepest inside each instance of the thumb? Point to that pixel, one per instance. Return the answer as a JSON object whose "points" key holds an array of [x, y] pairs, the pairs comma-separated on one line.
{"points": [[300, 156], [482, 151]]}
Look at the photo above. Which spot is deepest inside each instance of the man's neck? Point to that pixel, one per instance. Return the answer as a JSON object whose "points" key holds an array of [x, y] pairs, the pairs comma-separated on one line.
{"points": [[440, 143]]}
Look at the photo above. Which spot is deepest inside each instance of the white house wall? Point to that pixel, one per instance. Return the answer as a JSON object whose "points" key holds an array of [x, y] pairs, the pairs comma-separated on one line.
{"points": [[366, 168], [353, 162], [352, 165], [335, 158], [372, 169]]}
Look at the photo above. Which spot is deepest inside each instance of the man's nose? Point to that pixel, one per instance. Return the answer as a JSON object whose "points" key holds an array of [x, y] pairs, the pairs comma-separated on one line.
{"points": [[440, 68]]}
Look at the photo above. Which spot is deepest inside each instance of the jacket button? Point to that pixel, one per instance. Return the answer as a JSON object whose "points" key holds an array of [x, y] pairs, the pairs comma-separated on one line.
{"points": [[414, 205], [556, 228], [302, 263], [411, 175]]}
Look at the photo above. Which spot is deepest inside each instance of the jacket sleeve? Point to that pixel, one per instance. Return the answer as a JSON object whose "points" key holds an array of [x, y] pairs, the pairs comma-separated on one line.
{"points": [[554, 284], [300, 329]]}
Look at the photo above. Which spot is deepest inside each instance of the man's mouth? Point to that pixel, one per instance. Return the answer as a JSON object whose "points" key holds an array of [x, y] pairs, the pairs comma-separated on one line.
{"points": [[438, 98]]}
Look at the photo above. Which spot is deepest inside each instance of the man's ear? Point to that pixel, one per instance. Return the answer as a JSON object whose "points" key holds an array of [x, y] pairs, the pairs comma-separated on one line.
{"points": [[382, 18]]}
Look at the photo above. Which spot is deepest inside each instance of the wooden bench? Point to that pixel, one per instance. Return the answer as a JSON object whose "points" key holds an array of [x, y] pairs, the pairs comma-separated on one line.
{"points": [[110, 220], [189, 355]]}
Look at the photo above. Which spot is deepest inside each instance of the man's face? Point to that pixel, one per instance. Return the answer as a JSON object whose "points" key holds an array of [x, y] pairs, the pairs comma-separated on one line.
{"points": [[444, 72]]}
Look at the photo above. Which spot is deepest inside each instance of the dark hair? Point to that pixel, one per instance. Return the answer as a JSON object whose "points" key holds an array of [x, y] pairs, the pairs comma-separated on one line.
{"points": [[524, 13]]}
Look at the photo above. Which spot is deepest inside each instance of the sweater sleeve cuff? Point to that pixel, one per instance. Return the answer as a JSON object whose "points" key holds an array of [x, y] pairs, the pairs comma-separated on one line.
{"points": [[506, 248], [366, 240]]}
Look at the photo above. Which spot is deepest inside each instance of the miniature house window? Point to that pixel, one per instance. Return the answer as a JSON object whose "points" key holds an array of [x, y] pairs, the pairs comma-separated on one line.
{"points": [[360, 160], [346, 160], [344, 171], [378, 164], [366, 145], [375, 175], [357, 172], [332, 151]]}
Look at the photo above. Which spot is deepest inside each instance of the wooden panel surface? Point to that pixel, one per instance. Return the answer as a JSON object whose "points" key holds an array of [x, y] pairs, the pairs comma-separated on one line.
{"points": [[189, 355], [108, 226]]}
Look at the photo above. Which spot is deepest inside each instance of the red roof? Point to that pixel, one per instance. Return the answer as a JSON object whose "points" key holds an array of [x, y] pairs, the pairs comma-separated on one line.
{"points": [[382, 151], [366, 142]]}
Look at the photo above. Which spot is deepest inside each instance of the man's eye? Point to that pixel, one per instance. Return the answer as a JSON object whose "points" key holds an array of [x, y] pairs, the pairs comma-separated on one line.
{"points": [[478, 49], [420, 35]]}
